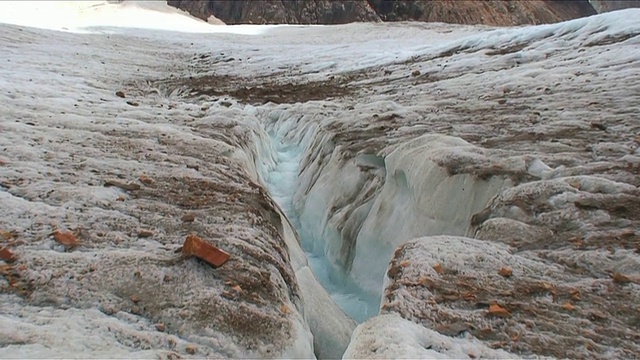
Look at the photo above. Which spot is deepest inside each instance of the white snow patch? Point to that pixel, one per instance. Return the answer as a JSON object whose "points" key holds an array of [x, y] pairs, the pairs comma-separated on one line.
{"points": [[392, 337]]}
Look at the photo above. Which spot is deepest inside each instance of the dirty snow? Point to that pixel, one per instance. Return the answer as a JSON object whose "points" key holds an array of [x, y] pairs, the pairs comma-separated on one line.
{"points": [[523, 140]]}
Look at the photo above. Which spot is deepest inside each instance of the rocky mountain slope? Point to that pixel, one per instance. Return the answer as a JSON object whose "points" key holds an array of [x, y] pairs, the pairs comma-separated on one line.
{"points": [[280, 12], [603, 6], [339, 12]]}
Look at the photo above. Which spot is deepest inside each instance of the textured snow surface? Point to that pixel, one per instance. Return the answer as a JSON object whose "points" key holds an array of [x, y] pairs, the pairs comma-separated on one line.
{"points": [[523, 140], [64, 134], [392, 337]]}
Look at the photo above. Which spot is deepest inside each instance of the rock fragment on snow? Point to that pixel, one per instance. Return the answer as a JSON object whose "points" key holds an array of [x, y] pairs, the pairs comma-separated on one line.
{"points": [[120, 94], [145, 233], [146, 180], [7, 255], [438, 268], [196, 246], [66, 238], [191, 349], [505, 272], [453, 330], [6, 235], [620, 278], [497, 310], [122, 185], [189, 217]]}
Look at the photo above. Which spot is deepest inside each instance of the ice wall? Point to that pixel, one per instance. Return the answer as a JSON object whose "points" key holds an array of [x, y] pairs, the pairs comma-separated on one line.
{"points": [[357, 218]]}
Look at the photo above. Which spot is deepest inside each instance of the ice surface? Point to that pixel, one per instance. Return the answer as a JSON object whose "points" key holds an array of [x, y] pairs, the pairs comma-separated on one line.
{"points": [[392, 337], [447, 283], [544, 118], [64, 133]]}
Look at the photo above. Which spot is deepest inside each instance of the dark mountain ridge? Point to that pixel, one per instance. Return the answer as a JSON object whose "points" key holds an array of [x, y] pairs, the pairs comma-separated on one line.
{"points": [[488, 12]]}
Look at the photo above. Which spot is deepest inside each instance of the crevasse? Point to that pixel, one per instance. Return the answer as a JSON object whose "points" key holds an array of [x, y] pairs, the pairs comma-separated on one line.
{"points": [[282, 182]]}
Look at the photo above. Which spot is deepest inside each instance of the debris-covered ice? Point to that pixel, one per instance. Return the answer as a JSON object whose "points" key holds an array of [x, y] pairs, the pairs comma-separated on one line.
{"points": [[480, 185]]}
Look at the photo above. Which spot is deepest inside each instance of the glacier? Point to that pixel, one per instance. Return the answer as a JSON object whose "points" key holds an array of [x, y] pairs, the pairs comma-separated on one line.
{"points": [[384, 190]]}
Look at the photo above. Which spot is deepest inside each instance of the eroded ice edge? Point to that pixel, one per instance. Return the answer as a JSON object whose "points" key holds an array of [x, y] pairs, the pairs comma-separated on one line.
{"points": [[423, 166]]}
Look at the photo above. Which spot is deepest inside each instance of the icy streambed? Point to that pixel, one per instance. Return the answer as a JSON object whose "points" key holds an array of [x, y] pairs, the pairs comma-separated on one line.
{"points": [[282, 185]]}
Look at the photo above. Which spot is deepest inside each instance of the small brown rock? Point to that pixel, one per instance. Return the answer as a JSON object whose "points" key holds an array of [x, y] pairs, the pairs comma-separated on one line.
{"points": [[121, 185], [189, 217], [7, 255], [452, 330], [568, 306], [120, 198], [505, 272], [135, 299], [132, 103], [284, 309], [438, 268], [415, 73], [65, 238], [191, 349], [145, 233], [6, 235], [160, 327], [619, 278], [497, 310], [120, 94], [146, 180]]}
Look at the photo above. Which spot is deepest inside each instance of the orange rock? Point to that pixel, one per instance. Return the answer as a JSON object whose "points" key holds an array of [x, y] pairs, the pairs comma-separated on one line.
{"points": [[135, 299], [7, 255], [65, 238], [194, 245], [498, 310], [160, 327], [405, 263], [438, 268], [505, 272], [568, 306]]}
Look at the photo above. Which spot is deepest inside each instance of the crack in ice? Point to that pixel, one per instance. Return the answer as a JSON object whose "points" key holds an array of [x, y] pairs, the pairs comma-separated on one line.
{"points": [[282, 184]]}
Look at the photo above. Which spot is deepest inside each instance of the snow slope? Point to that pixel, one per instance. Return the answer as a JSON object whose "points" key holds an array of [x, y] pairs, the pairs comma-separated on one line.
{"points": [[76, 15], [522, 140]]}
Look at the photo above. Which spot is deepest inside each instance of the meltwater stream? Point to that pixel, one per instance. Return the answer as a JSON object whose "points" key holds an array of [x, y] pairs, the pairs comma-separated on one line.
{"points": [[282, 184]]}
